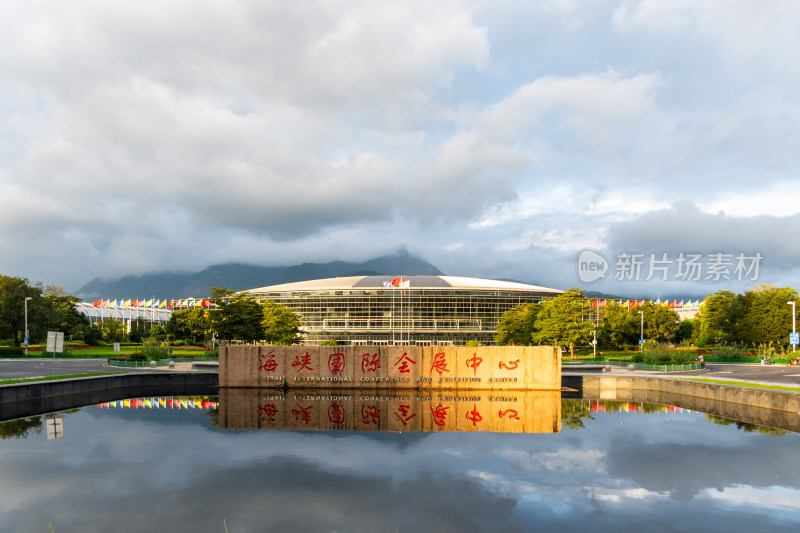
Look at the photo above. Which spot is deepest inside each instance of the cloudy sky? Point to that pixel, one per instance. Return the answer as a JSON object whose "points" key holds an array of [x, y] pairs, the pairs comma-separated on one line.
{"points": [[496, 139]]}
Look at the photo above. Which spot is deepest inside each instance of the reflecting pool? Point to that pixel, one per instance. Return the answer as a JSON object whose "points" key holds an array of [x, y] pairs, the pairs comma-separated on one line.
{"points": [[176, 464]]}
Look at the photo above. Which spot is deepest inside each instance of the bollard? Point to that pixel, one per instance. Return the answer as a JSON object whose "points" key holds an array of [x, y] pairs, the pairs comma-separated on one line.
{"points": [[152, 364]]}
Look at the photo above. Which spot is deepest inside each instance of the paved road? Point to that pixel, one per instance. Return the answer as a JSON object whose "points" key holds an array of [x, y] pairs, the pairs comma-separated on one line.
{"points": [[777, 374], [28, 368]]}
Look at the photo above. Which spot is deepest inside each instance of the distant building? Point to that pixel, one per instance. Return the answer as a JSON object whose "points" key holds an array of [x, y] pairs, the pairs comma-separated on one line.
{"points": [[416, 310]]}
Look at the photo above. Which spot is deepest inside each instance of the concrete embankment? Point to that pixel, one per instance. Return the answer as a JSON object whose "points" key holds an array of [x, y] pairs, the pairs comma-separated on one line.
{"points": [[759, 406], [30, 399]]}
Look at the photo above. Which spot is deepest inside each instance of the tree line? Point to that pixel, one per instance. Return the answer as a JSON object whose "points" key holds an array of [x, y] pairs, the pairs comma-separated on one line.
{"points": [[237, 317], [760, 316]]}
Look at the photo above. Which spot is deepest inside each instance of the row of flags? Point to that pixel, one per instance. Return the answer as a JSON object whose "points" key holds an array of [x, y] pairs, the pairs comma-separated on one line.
{"points": [[397, 282], [170, 304], [674, 304], [160, 403]]}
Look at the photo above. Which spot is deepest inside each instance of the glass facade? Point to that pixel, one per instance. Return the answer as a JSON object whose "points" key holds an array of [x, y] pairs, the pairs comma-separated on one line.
{"points": [[433, 310]]}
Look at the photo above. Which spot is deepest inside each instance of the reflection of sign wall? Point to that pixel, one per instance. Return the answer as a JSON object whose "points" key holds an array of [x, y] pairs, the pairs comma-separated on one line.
{"points": [[399, 411], [394, 367]]}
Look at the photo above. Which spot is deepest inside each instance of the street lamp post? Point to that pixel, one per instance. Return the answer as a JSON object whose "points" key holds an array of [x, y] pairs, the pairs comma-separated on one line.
{"points": [[594, 343], [26, 324], [794, 324], [641, 333]]}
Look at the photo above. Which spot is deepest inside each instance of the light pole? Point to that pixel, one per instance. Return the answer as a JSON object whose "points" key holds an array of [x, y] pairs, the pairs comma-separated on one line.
{"points": [[26, 324], [794, 324], [641, 333], [594, 343]]}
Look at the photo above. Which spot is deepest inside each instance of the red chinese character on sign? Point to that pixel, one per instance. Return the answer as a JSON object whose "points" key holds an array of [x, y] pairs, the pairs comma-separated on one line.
{"points": [[474, 416], [303, 363], [336, 413], [403, 414], [404, 368], [370, 363], [336, 363], [267, 362], [268, 412], [302, 413], [512, 414], [512, 365], [439, 414], [370, 414], [474, 362], [439, 363]]}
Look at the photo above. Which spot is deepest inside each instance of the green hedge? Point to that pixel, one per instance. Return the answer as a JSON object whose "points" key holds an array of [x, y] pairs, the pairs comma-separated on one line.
{"points": [[11, 350]]}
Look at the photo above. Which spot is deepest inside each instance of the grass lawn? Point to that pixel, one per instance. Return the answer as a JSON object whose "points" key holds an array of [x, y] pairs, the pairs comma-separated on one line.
{"points": [[108, 351]]}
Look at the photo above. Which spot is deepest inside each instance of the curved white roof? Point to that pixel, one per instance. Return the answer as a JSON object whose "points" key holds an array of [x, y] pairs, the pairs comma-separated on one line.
{"points": [[416, 282]]}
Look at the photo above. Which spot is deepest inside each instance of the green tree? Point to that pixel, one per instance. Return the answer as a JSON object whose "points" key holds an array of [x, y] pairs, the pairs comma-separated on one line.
{"points": [[517, 325], [237, 317], [159, 333], [138, 330], [281, 324], [685, 329], [113, 330], [92, 334], [762, 315], [13, 292], [620, 328], [57, 311], [563, 320], [660, 321], [194, 324], [714, 321]]}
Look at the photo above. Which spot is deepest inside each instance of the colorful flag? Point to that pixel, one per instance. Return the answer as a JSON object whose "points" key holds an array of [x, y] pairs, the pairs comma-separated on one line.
{"points": [[396, 281], [680, 304], [98, 303], [387, 284], [405, 284], [595, 302], [162, 303]]}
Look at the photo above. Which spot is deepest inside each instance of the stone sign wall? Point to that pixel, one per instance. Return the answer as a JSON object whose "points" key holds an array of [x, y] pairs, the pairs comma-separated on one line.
{"points": [[391, 367], [396, 410]]}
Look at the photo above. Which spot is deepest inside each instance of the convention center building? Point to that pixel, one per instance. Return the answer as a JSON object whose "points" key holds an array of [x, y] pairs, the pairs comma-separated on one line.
{"points": [[407, 310]]}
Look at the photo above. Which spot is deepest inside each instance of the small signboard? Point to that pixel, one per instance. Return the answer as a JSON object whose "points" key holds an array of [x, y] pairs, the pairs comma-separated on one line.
{"points": [[25, 340], [794, 338], [641, 341], [55, 341], [116, 347]]}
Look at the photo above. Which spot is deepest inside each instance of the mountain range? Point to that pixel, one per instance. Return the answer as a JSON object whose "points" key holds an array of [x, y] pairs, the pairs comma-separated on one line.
{"points": [[237, 276]]}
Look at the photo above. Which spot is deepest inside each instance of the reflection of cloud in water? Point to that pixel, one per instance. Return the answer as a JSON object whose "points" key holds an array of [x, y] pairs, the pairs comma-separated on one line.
{"points": [[684, 470], [564, 460], [284, 494]]}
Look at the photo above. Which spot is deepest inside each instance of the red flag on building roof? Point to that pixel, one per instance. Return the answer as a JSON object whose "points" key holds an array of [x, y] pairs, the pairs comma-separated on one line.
{"points": [[204, 303], [396, 282], [98, 303]]}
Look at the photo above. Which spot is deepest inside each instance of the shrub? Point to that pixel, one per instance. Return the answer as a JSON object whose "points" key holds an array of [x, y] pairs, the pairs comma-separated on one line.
{"points": [[329, 342], [728, 352], [11, 350], [150, 352], [179, 343]]}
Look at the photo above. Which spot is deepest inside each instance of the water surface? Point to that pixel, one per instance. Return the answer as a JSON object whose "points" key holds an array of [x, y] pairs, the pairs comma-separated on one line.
{"points": [[608, 466]]}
